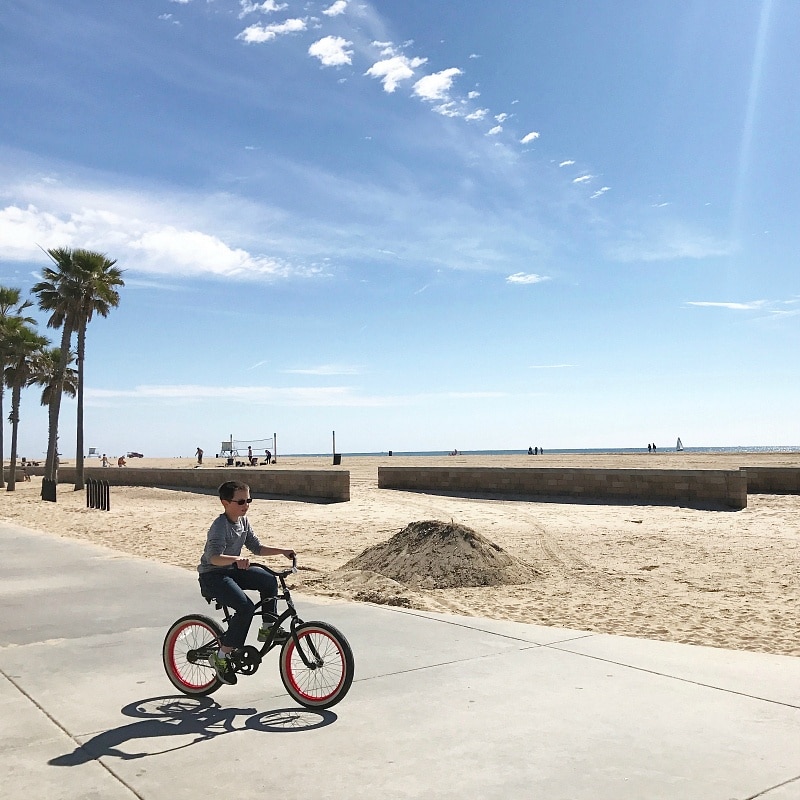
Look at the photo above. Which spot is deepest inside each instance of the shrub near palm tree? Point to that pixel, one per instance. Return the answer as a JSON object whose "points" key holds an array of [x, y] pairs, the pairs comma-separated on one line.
{"points": [[81, 283]]}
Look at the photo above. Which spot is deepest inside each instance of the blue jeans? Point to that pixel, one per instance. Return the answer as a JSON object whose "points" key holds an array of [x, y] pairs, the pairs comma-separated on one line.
{"points": [[226, 586]]}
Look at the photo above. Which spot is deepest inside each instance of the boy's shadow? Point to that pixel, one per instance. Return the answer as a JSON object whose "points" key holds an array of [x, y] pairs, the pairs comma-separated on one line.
{"points": [[198, 717]]}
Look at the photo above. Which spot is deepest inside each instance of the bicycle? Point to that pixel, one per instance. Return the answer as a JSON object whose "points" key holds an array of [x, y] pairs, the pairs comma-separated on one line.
{"points": [[316, 662]]}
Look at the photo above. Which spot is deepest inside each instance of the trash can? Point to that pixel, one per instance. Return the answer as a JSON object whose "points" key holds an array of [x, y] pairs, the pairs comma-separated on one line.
{"points": [[48, 490], [337, 459]]}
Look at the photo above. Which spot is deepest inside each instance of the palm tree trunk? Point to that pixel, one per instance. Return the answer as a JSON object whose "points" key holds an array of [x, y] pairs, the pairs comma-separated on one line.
{"points": [[12, 466], [79, 484], [51, 464]]}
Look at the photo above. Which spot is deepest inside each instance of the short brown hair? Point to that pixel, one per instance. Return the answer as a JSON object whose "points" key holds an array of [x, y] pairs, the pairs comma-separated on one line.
{"points": [[228, 489]]}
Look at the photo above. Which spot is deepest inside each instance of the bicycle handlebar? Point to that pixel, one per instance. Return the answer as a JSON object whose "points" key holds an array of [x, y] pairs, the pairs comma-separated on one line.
{"points": [[278, 573]]}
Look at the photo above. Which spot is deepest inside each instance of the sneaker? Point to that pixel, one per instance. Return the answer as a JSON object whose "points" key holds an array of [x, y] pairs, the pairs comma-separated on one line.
{"points": [[223, 668], [265, 631]]}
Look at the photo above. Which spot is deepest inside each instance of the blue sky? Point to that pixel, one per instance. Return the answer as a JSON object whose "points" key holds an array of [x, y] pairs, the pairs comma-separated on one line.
{"points": [[421, 224]]}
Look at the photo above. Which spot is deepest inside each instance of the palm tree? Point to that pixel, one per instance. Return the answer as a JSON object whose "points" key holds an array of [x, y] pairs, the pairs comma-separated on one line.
{"points": [[99, 295], [20, 372], [10, 309], [47, 371], [59, 293], [82, 283]]}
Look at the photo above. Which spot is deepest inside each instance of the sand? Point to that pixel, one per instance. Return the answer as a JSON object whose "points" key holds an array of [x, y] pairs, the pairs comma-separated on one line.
{"points": [[710, 577]]}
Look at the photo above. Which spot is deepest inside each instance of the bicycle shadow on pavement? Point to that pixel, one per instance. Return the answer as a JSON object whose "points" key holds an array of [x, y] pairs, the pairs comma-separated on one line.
{"points": [[199, 718]]}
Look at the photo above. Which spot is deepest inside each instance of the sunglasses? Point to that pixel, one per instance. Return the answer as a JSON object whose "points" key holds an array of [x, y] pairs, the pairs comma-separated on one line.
{"points": [[242, 502]]}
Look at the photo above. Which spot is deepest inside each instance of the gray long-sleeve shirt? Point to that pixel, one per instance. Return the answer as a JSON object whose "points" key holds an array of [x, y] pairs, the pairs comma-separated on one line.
{"points": [[226, 538]]}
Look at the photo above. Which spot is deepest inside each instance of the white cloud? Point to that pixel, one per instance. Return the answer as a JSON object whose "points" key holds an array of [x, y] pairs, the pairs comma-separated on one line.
{"points": [[477, 114], [267, 7], [494, 131], [190, 252], [600, 192], [332, 51], [568, 163], [333, 10], [473, 95], [582, 178], [133, 230], [526, 278], [257, 34], [529, 137], [392, 71], [437, 85], [502, 117], [448, 109]]}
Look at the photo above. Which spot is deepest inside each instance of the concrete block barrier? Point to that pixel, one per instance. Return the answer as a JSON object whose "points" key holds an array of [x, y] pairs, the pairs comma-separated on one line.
{"points": [[312, 484], [772, 480], [682, 487]]}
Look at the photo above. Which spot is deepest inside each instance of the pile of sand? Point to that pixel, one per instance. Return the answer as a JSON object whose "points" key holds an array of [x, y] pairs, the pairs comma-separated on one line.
{"points": [[442, 555]]}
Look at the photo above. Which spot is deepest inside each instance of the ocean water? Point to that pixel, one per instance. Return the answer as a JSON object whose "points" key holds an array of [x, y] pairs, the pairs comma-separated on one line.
{"points": [[577, 451]]}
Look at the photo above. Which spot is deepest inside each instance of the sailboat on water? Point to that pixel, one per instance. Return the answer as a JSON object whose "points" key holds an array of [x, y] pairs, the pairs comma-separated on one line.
{"points": [[679, 446]]}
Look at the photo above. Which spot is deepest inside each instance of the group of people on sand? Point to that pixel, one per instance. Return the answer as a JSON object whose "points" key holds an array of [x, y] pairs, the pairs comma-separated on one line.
{"points": [[252, 460], [536, 451], [651, 448], [121, 462]]}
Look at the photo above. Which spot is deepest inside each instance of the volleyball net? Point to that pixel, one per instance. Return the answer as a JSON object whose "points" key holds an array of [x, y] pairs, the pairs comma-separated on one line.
{"points": [[241, 447]]}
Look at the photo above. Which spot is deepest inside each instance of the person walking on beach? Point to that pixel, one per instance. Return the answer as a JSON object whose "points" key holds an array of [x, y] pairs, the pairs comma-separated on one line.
{"points": [[224, 574], [199, 454]]}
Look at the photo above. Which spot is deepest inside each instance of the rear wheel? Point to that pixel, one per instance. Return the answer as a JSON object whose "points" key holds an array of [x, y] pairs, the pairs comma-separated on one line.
{"points": [[187, 646], [330, 675]]}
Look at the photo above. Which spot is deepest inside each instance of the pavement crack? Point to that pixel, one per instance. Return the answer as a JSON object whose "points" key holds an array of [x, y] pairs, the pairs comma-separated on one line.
{"points": [[68, 734]]}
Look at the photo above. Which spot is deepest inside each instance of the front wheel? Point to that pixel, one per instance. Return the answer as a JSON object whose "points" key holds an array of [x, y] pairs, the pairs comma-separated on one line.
{"points": [[328, 678], [187, 646]]}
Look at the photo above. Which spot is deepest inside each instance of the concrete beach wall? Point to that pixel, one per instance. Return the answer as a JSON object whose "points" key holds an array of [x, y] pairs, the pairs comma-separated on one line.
{"points": [[684, 487], [315, 484], [772, 480]]}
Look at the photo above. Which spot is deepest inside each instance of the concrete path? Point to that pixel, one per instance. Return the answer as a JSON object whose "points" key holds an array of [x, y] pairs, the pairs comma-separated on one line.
{"points": [[442, 706]]}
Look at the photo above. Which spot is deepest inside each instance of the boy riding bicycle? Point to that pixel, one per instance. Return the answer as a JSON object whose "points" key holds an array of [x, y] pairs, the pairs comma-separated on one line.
{"points": [[224, 574]]}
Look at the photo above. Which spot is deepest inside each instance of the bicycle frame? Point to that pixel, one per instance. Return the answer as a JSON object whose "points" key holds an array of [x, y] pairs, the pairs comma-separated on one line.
{"points": [[291, 612]]}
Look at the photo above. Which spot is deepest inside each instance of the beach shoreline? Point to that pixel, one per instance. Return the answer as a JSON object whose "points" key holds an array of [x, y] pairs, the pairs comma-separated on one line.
{"points": [[709, 577]]}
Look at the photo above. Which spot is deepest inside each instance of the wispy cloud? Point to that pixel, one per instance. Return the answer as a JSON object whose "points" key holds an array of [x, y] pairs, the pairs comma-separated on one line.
{"points": [[583, 178], [292, 396], [324, 369], [568, 163], [526, 278], [668, 242], [600, 192], [529, 137], [753, 305]]}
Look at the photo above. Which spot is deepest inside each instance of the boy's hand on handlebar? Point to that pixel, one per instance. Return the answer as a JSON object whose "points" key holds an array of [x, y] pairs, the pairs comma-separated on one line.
{"points": [[290, 554], [242, 563]]}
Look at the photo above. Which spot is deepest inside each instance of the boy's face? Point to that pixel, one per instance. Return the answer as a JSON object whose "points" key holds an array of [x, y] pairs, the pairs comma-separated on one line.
{"points": [[234, 510]]}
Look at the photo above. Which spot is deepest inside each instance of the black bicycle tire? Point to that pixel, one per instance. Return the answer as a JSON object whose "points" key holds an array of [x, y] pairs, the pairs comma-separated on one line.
{"points": [[308, 687], [171, 659]]}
